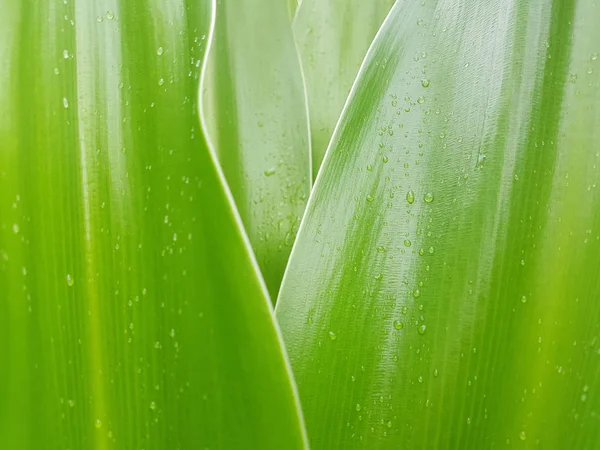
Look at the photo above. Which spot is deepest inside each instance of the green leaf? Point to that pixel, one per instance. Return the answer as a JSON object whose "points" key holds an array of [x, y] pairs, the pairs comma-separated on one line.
{"points": [[254, 111], [292, 6], [131, 311], [333, 37], [443, 289]]}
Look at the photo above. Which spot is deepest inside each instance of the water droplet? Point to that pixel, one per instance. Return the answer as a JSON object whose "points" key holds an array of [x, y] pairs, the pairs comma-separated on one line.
{"points": [[161, 81], [428, 197], [431, 250], [157, 344], [523, 299], [71, 403], [15, 228], [468, 421], [416, 293], [56, 71], [407, 243], [172, 332], [420, 100], [110, 15], [481, 160], [398, 325], [420, 379], [98, 423], [594, 56], [152, 405], [159, 51], [410, 197], [70, 280], [425, 83], [370, 198], [379, 277], [65, 102], [369, 167], [421, 252], [358, 407], [270, 172], [385, 159], [332, 336], [422, 329], [66, 54], [522, 435], [436, 373], [420, 22]]}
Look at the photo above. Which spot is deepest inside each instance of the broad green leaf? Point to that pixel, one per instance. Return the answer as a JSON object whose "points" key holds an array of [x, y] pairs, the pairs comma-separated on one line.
{"points": [[131, 312], [254, 110], [443, 289], [333, 37]]}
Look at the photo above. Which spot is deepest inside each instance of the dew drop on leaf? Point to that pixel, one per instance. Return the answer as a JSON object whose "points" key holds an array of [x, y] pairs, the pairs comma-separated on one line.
{"points": [[410, 197], [522, 435], [428, 197]]}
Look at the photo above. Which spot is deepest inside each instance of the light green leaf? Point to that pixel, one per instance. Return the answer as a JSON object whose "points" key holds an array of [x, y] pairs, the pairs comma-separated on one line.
{"points": [[254, 110], [333, 37], [443, 289], [131, 312]]}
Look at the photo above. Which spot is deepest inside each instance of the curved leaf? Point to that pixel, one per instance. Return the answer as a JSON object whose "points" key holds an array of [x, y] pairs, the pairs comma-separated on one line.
{"points": [[131, 311], [443, 289], [333, 37], [254, 112]]}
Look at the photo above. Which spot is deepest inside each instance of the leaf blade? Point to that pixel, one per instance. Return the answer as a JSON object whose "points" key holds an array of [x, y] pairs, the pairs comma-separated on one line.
{"points": [[254, 112], [449, 301], [333, 37], [132, 307]]}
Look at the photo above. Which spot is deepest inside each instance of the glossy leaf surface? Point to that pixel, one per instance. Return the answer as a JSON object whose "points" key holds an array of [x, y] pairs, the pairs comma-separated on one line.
{"points": [[443, 289], [255, 114], [131, 312], [333, 37]]}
